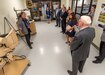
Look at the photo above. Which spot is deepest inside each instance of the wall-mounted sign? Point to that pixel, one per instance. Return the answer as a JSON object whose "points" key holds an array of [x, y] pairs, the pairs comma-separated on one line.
{"points": [[29, 3], [102, 14]]}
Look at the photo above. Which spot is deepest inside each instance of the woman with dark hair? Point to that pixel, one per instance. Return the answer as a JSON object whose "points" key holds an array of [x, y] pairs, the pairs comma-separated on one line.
{"points": [[69, 13], [24, 26], [70, 31]]}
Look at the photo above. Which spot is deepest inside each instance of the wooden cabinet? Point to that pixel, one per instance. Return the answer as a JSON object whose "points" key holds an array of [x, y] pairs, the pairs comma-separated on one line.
{"points": [[33, 27]]}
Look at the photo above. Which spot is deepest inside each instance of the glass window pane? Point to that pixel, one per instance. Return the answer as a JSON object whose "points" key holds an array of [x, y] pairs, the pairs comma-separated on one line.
{"points": [[79, 6], [74, 5], [86, 6]]}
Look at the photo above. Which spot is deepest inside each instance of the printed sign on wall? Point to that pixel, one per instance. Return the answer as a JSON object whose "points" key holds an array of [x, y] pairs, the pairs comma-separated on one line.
{"points": [[102, 14], [29, 3]]}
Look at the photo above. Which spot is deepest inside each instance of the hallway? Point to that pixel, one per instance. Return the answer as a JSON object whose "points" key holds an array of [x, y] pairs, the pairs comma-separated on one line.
{"points": [[51, 56]]}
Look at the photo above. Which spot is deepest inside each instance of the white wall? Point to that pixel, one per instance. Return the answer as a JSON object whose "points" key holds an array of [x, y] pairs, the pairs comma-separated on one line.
{"points": [[6, 10], [63, 2], [66, 3], [96, 22]]}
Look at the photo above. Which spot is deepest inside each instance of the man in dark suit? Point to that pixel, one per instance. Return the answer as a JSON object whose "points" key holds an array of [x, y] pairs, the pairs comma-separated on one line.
{"points": [[63, 19], [80, 47], [58, 14], [101, 56]]}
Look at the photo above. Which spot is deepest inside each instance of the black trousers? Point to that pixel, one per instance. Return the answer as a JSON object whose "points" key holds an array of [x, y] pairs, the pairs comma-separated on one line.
{"points": [[63, 26], [77, 65], [58, 21], [27, 36], [102, 51]]}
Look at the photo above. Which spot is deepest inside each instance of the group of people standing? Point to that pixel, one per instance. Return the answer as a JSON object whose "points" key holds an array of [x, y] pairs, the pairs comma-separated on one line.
{"points": [[80, 41], [66, 19], [45, 10]]}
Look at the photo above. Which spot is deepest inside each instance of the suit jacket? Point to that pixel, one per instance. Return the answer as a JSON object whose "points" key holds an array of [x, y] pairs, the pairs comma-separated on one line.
{"points": [[64, 16], [80, 47], [103, 34], [58, 14], [22, 26]]}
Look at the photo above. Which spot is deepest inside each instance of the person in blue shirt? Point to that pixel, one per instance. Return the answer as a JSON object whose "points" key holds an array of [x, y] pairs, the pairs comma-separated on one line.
{"points": [[48, 14], [70, 31]]}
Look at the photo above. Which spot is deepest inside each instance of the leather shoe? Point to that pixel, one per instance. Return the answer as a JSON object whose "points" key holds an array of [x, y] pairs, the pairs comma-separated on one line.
{"points": [[61, 32], [30, 47], [67, 42], [80, 71], [97, 57], [97, 61], [56, 25], [69, 72], [31, 42]]}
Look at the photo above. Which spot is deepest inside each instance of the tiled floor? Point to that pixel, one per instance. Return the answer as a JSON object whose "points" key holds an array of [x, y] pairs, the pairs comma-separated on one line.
{"points": [[51, 56]]}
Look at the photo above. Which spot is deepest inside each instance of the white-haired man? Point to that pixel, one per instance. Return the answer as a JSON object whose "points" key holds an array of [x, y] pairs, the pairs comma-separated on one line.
{"points": [[80, 47]]}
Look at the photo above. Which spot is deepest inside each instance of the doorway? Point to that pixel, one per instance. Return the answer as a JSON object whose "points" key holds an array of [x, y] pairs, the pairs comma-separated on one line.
{"points": [[43, 4], [82, 7]]}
